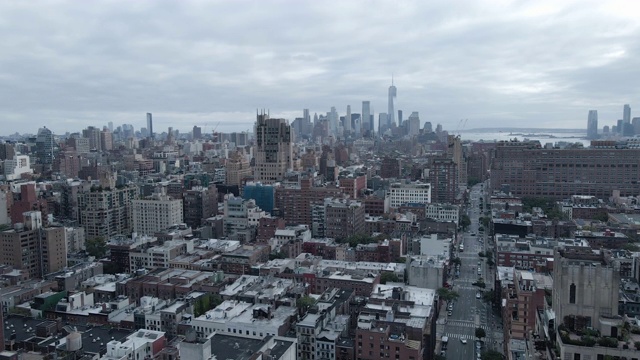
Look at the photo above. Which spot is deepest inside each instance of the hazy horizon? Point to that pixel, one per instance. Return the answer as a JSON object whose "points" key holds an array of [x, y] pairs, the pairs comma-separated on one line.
{"points": [[67, 64]]}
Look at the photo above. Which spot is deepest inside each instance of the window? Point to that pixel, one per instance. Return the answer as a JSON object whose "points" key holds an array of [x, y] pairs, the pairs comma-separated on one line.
{"points": [[572, 294]]}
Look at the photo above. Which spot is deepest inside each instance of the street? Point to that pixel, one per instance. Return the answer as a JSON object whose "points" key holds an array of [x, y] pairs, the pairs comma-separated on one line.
{"points": [[468, 312]]}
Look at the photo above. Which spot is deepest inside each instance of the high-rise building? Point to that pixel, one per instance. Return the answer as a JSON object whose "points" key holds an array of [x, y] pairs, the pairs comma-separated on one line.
{"points": [[366, 122], [391, 112], [110, 126], [635, 123], [333, 121], [197, 132], [273, 150], [106, 140], [93, 134], [150, 125], [199, 203], [33, 248], [443, 175], [414, 124], [44, 146], [347, 120], [428, 128], [626, 114], [307, 127], [6, 151], [107, 211], [383, 121], [237, 169], [157, 213], [592, 124]]}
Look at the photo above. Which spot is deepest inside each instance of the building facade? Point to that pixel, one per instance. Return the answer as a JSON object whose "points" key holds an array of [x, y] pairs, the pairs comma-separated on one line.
{"points": [[273, 150], [529, 170]]}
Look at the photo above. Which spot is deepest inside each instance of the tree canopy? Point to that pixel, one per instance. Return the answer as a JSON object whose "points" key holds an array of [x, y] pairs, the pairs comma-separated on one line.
{"points": [[388, 277], [447, 294], [480, 333], [96, 246], [465, 221]]}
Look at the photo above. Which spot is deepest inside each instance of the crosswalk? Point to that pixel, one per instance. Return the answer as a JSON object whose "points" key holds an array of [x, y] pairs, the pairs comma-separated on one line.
{"points": [[465, 323], [460, 336]]}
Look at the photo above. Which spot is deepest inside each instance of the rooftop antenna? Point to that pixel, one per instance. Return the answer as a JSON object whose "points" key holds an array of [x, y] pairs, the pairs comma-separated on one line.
{"points": [[391, 79]]}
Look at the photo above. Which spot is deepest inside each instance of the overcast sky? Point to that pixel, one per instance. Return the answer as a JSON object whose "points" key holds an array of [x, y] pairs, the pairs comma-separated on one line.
{"points": [[533, 63]]}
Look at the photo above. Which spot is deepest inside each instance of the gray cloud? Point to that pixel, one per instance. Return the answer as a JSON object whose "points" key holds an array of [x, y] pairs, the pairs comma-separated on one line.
{"points": [[69, 64]]}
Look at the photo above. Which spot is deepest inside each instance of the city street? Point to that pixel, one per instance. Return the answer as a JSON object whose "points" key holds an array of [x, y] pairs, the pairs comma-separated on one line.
{"points": [[468, 312]]}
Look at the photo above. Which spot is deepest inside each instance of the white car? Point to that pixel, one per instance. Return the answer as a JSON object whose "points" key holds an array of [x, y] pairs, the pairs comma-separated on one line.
{"points": [[464, 341], [478, 296]]}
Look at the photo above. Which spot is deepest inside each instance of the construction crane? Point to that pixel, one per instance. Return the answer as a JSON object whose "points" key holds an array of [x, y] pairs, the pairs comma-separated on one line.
{"points": [[215, 134]]}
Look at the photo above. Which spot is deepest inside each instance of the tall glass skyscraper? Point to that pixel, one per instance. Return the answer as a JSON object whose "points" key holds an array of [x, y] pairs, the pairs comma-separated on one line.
{"points": [[150, 125], [391, 112], [592, 124], [366, 121]]}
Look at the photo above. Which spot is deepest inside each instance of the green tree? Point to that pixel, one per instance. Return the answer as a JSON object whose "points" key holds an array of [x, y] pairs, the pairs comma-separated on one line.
{"points": [[465, 221], [637, 345], [481, 254], [206, 303], [485, 221], [304, 303], [456, 261], [480, 333], [447, 294], [388, 277], [96, 246]]}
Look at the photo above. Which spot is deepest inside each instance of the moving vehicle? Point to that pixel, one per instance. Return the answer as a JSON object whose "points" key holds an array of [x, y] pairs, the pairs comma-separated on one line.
{"points": [[478, 296], [461, 247], [464, 341], [445, 341]]}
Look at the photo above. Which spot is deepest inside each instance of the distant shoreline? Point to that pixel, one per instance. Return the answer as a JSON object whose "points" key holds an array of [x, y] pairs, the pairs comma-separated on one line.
{"points": [[520, 130]]}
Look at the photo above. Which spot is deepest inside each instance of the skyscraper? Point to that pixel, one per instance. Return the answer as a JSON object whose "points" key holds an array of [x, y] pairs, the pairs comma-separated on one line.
{"points": [[44, 146], [306, 124], [592, 124], [383, 122], [273, 150], [334, 121], [391, 112], [366, 122], [347, 120], [414, 124], [197, 132], [626, 114], [150, 125]]}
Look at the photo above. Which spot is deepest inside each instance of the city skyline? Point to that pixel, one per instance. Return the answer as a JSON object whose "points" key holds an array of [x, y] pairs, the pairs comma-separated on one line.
{"points": [[496, 64]]}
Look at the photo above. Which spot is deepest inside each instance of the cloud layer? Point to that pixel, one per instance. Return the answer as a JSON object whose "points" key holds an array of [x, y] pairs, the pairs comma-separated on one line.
{"points": [[71, 64]]}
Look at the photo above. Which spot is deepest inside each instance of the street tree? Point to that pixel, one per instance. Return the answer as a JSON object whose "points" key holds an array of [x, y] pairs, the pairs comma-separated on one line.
{"points": [[447, 294]]}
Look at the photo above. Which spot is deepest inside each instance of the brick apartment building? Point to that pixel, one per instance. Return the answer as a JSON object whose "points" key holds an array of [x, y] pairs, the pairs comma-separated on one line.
{"points": [[294, 204], [530, 170]]}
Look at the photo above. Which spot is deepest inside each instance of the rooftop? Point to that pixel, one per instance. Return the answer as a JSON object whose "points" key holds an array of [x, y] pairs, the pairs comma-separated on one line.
{"points": [[235, 348]]}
